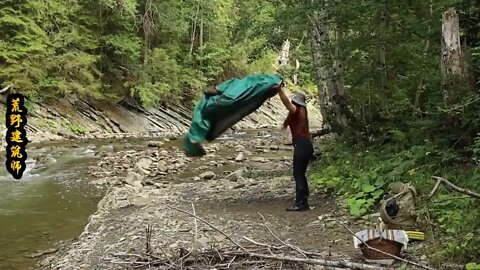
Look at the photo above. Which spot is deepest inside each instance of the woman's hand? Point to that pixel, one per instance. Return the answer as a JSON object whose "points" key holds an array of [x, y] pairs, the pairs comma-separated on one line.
{"points": [[285, 100]]}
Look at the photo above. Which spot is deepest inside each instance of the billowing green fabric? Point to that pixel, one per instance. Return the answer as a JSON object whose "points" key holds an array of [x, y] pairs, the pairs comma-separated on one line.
{"points": [[235, 99]]}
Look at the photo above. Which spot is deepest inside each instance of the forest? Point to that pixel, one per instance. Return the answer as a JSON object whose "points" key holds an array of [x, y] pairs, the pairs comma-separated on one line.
{"points": [[400, 110]]}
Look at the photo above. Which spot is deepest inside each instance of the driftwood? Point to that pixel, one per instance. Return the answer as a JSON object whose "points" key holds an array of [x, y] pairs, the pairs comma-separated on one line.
{"points": [[441, 180]]}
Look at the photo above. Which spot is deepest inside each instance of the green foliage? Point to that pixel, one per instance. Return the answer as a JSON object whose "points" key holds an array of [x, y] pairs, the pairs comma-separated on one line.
{"points": [[472, 266], [78, 129], [361, 173], [150, 50]]}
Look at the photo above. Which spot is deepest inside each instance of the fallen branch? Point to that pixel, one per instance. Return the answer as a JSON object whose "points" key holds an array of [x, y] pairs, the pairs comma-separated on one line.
{"points": [[320, 133], [441, 180], [339, 263], [454, 187], [323, 262], [5, 89], [450, 199], [385, 253]]}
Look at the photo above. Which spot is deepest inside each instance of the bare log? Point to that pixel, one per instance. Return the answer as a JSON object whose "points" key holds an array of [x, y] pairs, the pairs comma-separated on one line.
{"points": [[441, 180], [6, 88]]}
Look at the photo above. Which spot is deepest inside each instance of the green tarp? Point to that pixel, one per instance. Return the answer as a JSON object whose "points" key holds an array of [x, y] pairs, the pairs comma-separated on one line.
{"points": [[235, 99]]}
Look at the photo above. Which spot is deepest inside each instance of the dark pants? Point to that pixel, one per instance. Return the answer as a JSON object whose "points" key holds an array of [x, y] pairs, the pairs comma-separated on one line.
{"points": [[302, 154]]}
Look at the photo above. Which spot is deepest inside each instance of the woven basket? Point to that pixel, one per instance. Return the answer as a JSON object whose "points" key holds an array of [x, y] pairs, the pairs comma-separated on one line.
{"points": [[385, 245]]}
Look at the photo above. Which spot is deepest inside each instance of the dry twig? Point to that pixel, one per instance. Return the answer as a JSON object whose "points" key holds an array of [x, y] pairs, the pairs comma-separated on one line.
{"points": [[209, 224], [441, 180], [196, 228], [237, 257]]}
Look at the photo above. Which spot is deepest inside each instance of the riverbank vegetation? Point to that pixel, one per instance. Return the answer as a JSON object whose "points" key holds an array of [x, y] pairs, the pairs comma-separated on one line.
{"points": [[400, 87], [398, 81]]}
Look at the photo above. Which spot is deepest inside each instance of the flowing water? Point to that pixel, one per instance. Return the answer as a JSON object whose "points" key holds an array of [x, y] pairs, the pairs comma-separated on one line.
{"points": [[50, 203]]}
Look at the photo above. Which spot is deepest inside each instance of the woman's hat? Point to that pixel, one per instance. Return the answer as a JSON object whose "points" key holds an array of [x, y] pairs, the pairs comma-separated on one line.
{"points": [[299, 99]]}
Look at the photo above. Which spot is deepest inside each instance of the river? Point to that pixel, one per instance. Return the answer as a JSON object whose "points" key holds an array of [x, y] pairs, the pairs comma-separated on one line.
{"points": [[53, 200]]}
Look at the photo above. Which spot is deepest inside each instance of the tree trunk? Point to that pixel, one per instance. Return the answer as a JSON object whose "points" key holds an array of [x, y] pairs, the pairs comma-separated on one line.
{"points": [[194, 30], [201, 32], [383, 60], [283, 56], [339, 66], [452, 64], [418, 93], [330, 100], [320, 72], [148, 24], [295, 74]]}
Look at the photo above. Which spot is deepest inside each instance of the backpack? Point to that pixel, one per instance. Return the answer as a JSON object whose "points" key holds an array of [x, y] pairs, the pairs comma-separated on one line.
{"points": [[397, 208]]}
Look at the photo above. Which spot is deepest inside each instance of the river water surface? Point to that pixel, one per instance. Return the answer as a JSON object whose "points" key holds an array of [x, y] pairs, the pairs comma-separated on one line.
{"points": [[52, 201]]}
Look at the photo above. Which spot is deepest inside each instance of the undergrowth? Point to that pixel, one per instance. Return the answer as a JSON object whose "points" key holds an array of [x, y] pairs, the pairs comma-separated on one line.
{"points": [[360, 173]]}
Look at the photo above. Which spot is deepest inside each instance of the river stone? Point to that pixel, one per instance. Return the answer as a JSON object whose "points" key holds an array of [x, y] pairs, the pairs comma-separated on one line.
{"points": [[164, 153], [220, 237], [259, 159], [240, 157], [202, 243], [155, 144], [106, 148], [134, 179], [143, 165], [162, 166], [274, 147], [235, 176], [207, 175], [139, 200], [240, 148], [241, 185]]}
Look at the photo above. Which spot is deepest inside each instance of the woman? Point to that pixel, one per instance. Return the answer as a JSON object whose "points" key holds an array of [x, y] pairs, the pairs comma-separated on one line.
{"points": [[297, 120]]}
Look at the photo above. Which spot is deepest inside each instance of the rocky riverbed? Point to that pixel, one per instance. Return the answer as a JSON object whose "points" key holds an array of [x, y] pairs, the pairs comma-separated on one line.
{"points": [[237, 180]]}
